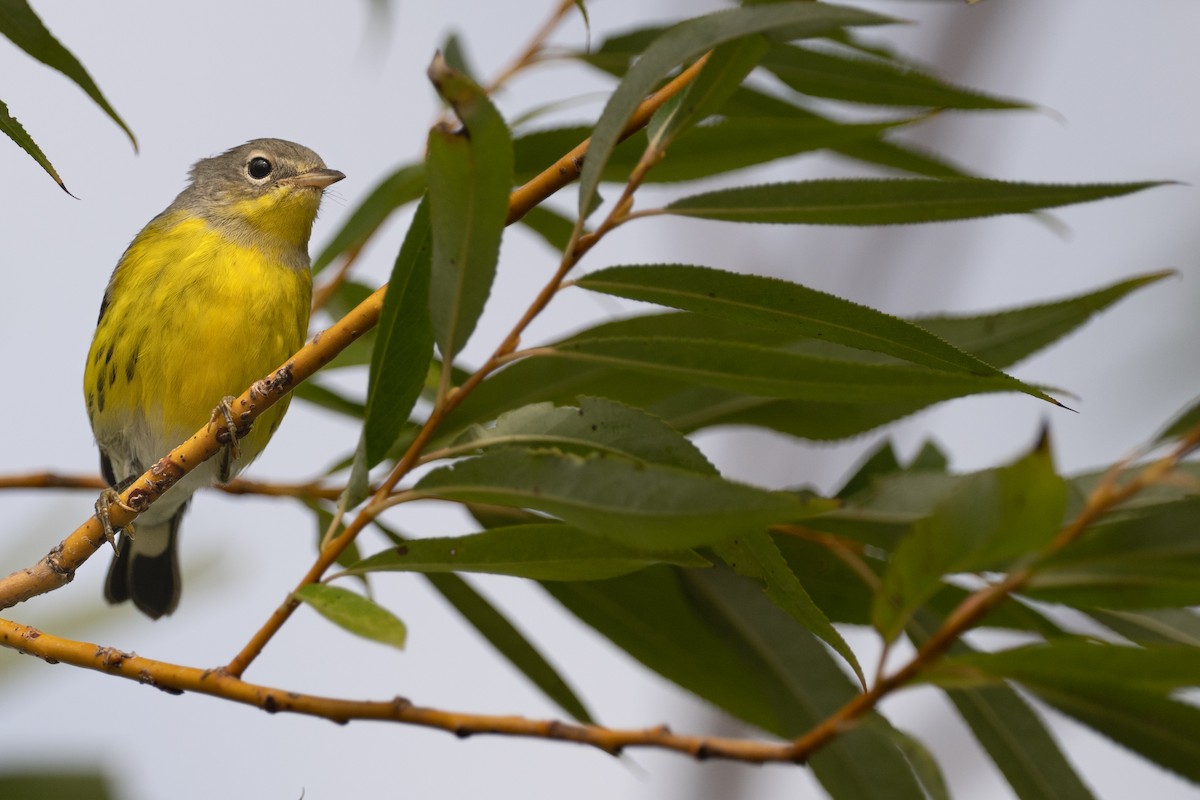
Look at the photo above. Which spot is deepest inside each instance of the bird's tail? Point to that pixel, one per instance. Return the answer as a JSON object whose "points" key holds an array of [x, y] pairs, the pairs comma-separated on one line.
{"points": [[146, 568]]}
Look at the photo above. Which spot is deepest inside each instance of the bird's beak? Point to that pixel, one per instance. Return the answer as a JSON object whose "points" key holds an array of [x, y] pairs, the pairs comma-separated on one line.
{"points": [[317, 178]]}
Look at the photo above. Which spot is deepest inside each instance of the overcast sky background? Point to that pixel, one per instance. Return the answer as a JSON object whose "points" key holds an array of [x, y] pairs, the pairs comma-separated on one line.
{"points": [[195, 79]]}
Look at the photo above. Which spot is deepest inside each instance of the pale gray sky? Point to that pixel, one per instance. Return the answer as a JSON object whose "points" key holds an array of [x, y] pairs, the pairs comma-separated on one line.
{"points": [[194, 80]]}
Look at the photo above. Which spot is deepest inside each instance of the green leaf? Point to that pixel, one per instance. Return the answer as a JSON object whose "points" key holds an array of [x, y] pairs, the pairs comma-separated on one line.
{"points": [[1162, 626], [15, 131], [642, 505], [750, 103], [543, 552], [1010, 731], [1182, 424], [869, 201], [1146, 559], [26, 31], [503, 635], [55, 783], [404, 342], [718, 636], [786, 308], [1124, 693], [554, 228], [596, 425], [314, 392], [764, 372], [688, 40], [1003, 338], [756, 556], [924, 765], [354, 613], [470, 174], [860, 80], [403, 186], [990, 519], [726, 68]]}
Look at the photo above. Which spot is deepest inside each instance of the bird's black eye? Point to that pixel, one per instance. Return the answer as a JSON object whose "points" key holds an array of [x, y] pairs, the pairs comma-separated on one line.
{"points": [[258, 168]]}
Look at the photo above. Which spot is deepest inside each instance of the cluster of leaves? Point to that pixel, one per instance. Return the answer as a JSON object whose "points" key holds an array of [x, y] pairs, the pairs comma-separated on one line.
{"points": [[573, 455]]}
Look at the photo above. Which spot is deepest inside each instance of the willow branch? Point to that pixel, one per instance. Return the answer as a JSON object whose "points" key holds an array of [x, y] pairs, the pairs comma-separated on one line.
{"points": [[314, 490]]}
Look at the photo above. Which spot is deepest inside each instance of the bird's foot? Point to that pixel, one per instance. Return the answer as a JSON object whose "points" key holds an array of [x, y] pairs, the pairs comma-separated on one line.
{"points": [[228, 436], [108, 498]]}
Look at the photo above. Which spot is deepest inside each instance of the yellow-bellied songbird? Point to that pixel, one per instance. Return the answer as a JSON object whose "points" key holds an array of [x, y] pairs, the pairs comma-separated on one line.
{"points": [[212, 295]]}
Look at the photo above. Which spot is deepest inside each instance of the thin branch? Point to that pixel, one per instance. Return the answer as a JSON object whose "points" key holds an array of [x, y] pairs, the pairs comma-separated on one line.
{"points": [[532, 50], [54, 480]]}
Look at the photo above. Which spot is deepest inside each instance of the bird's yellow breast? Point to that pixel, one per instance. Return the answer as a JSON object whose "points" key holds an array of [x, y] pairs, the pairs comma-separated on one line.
{"points": [[191, 316]]}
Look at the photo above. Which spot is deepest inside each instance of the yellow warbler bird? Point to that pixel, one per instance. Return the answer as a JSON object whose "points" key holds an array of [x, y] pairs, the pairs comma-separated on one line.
{"points": [[212, 295]]}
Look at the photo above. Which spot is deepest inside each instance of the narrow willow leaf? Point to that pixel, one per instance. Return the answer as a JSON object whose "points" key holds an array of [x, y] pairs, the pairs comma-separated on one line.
{"points": [[1005, 337], [23, 27], [756, 556], [1161, 626], [726, 68], [354, 613], [404, 341], [688, 40], [748, 102], [1009, 730], [1125, 693], [841, 77], [470, 173], [554, 228], [989, 519], [787, 308], [1145, 559], [765, 372], [15, 131], [543, 552], [56, 782], [757, 664], [503, 635], [320, 395], [403, 186], [869, 201], [596, 425], [924, 765], [1183, 423], [642, 505]]}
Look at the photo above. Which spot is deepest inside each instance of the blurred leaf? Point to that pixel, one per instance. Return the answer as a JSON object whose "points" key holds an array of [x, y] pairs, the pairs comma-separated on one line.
{"points": [[596, 425], [62, 783], [456, 57], [314, 392], [765, 372], [24, 29], [508, 640], [554, 228], [869, 201], [1149, 559], [354, 613], [748, 102], [470, 173], [544, 552], [755, 556], [716, 635], [861, 80], [404, 342], [642, 505], [403, 186], [787, 308], [15, 131], [991, 518], [924, 765], [1123, 692], [1161, 626], [1010, 731], [688, 40], [1182, 424]]}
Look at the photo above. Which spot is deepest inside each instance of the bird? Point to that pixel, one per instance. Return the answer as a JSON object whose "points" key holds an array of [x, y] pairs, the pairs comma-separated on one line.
{"points": [[210, 296]]}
